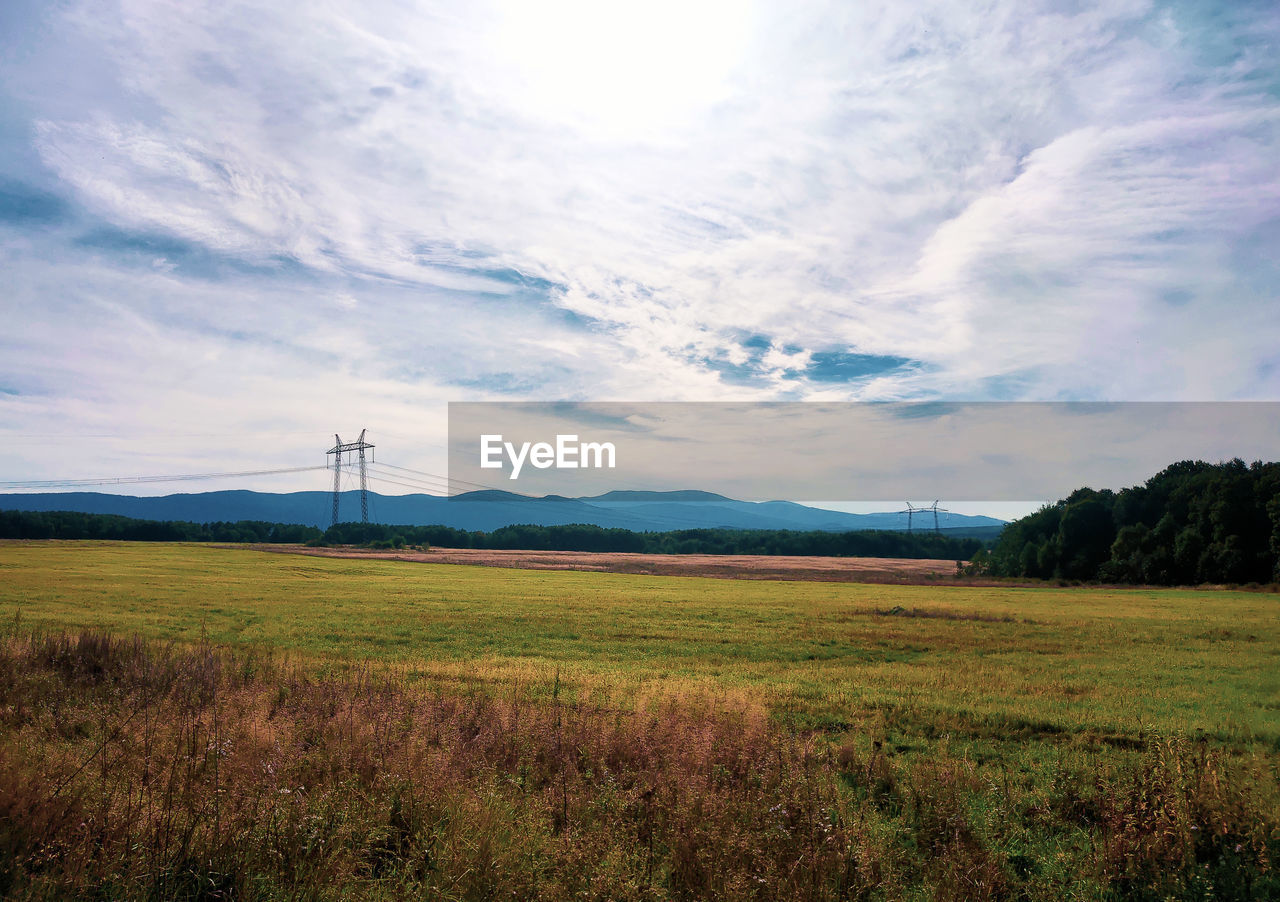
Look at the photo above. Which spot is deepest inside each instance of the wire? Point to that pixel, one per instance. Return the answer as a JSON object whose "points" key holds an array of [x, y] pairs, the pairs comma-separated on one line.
{"points": [[422, 484], [432, 480], [134, 480], [130, 436], [435, 485], [438, 486], [450, 481], [405, 484]]}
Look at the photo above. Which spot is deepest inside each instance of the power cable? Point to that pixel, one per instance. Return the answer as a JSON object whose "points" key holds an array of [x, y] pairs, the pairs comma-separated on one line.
{"points": [[136, 480], [407, 485], [451, 481], [433, 481]]}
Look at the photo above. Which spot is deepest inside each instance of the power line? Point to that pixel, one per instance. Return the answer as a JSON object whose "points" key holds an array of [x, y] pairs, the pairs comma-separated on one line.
{"points": [[451, 481], [436, 484], [405, 480], [405, 484], [52, 437], [400, 473], [432, 484], [135, 480], [424, 488]]}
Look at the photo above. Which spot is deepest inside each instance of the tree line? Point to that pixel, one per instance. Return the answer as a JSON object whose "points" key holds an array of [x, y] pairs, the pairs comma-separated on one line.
{"points": [[573, 537], [75, 525], [1193, 522], [586, 537]]}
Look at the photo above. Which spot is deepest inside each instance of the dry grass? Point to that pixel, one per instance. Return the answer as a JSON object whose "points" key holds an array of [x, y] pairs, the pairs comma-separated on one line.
{"points": [[135, 770], [319, 728]]}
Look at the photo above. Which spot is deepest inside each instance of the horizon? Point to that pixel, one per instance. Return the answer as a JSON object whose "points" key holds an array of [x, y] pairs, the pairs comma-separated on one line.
{"points": [[992, 510]]}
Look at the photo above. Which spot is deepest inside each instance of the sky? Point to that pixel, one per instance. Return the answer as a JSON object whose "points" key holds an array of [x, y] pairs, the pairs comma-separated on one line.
{"points": [[229, 230], [880, 453]]}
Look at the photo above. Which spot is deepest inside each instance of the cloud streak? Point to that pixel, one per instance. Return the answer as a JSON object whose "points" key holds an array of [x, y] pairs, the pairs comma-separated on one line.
{"points": [[801, 201]]}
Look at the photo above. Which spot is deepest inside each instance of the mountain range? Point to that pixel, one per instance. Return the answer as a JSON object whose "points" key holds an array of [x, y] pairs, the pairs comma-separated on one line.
{"points": [[490, 509]]}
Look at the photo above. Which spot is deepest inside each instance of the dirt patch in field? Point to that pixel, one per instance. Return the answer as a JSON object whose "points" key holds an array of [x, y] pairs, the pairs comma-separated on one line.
{"points": [[724, 566]]}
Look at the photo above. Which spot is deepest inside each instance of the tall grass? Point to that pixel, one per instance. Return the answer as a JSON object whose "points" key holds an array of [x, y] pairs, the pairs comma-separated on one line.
{"points": [[1098, 661], [130, 769]]}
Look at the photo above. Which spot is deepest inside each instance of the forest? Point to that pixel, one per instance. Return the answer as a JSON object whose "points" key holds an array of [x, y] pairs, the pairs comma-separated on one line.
{"points": [[76, 525], [585, 537], [1190, 524], [572, 537]]}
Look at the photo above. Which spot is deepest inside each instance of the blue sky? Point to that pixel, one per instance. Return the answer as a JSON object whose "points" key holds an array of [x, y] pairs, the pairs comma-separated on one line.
{"points": [[229, 229]]}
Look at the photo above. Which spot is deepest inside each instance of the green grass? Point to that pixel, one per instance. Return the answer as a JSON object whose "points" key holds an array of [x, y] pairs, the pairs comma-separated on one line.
{"points": [[1048, 662], [335, 728]]}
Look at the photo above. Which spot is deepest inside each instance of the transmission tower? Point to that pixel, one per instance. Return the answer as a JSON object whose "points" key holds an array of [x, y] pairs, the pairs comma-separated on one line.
{"points": [[339, 448], [912, 510]]}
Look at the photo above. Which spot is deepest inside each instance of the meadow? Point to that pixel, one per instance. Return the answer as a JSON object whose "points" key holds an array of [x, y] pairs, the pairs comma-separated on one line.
{"points": [[465, 732]]}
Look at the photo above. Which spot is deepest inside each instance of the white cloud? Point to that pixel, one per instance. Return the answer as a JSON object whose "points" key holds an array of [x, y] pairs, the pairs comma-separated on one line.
{"points": [[1032, 200]]}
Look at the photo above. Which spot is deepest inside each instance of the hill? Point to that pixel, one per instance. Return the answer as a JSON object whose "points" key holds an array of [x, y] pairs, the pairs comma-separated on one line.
{"points": [[491, 509]]}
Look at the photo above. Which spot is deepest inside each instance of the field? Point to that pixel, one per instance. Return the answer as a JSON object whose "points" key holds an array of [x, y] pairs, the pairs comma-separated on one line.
{"points": [[647, 736], [738, 566]]}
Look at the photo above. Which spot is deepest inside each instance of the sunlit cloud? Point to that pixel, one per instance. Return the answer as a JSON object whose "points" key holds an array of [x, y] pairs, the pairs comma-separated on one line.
{"points": [[383, 207]]}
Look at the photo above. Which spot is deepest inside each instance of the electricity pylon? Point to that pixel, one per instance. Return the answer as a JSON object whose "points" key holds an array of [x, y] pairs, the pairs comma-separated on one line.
{"points": [[912, 510], [339, 448]]}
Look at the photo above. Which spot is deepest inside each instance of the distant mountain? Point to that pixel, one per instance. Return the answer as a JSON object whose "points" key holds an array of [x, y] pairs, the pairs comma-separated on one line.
{"points": [[490, 509], [697, 509], [654, 497]]}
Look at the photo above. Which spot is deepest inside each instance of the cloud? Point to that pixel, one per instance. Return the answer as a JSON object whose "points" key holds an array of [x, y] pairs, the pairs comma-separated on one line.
{"points": [[1077, 259], [1027, 200]]}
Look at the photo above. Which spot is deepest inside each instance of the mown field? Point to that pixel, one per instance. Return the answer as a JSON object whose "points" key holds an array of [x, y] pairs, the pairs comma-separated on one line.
{"points": [[463, 732]]}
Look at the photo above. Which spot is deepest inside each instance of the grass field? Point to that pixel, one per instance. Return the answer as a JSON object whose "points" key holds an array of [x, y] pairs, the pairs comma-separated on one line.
{"points": [[1107, 661], [996, 705]]}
